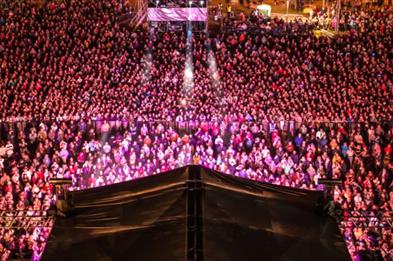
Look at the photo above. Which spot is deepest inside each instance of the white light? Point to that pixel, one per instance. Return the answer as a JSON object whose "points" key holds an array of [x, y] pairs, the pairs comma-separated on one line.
{"points": [[190, 2], [202, 2], [157, 2], [184, 102], [188, 73]]}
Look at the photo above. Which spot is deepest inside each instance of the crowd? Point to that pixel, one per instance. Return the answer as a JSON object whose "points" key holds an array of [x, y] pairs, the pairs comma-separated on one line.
{"points": [[84, 97], [102, 153], [73, 60], [292, 154]]}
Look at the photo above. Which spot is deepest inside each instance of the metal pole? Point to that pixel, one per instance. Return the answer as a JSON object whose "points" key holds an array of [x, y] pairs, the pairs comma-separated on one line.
{"points": [[338, 15], [287, 8]]}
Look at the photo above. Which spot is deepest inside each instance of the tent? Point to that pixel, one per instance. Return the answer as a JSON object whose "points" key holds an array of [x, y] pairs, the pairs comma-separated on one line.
{"points": [[194, 213]]}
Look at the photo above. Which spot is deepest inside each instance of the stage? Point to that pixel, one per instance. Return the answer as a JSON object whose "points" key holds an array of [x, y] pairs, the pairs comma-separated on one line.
{"points": [[193, 213]]}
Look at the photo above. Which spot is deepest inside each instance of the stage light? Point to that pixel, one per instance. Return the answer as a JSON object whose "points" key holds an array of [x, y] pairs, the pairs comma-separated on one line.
{"points": [[157, 2], [202, 2], [188, 73], [190, 2], [214, 74]]}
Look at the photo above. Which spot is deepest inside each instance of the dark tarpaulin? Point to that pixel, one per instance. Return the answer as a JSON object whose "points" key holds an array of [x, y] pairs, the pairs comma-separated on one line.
{"points": [[235, 219], [139, 220], [247, 220]]}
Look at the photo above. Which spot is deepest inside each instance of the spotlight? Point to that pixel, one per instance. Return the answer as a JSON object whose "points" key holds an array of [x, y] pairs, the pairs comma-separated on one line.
{"points": [[157, 2], [202, 2], [190, 2], [188, 73]]}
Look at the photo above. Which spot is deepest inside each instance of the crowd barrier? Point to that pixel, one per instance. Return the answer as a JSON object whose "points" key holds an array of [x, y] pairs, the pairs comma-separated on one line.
{"points": [[188, 126]]}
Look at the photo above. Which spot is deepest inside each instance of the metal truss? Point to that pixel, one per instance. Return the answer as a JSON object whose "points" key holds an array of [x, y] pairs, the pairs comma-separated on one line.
{"points": [[141, 14], [25, 219], [377, 221]]}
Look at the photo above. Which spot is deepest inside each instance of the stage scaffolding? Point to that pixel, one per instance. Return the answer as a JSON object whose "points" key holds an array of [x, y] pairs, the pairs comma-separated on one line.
{"points": [[21, 219]]}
